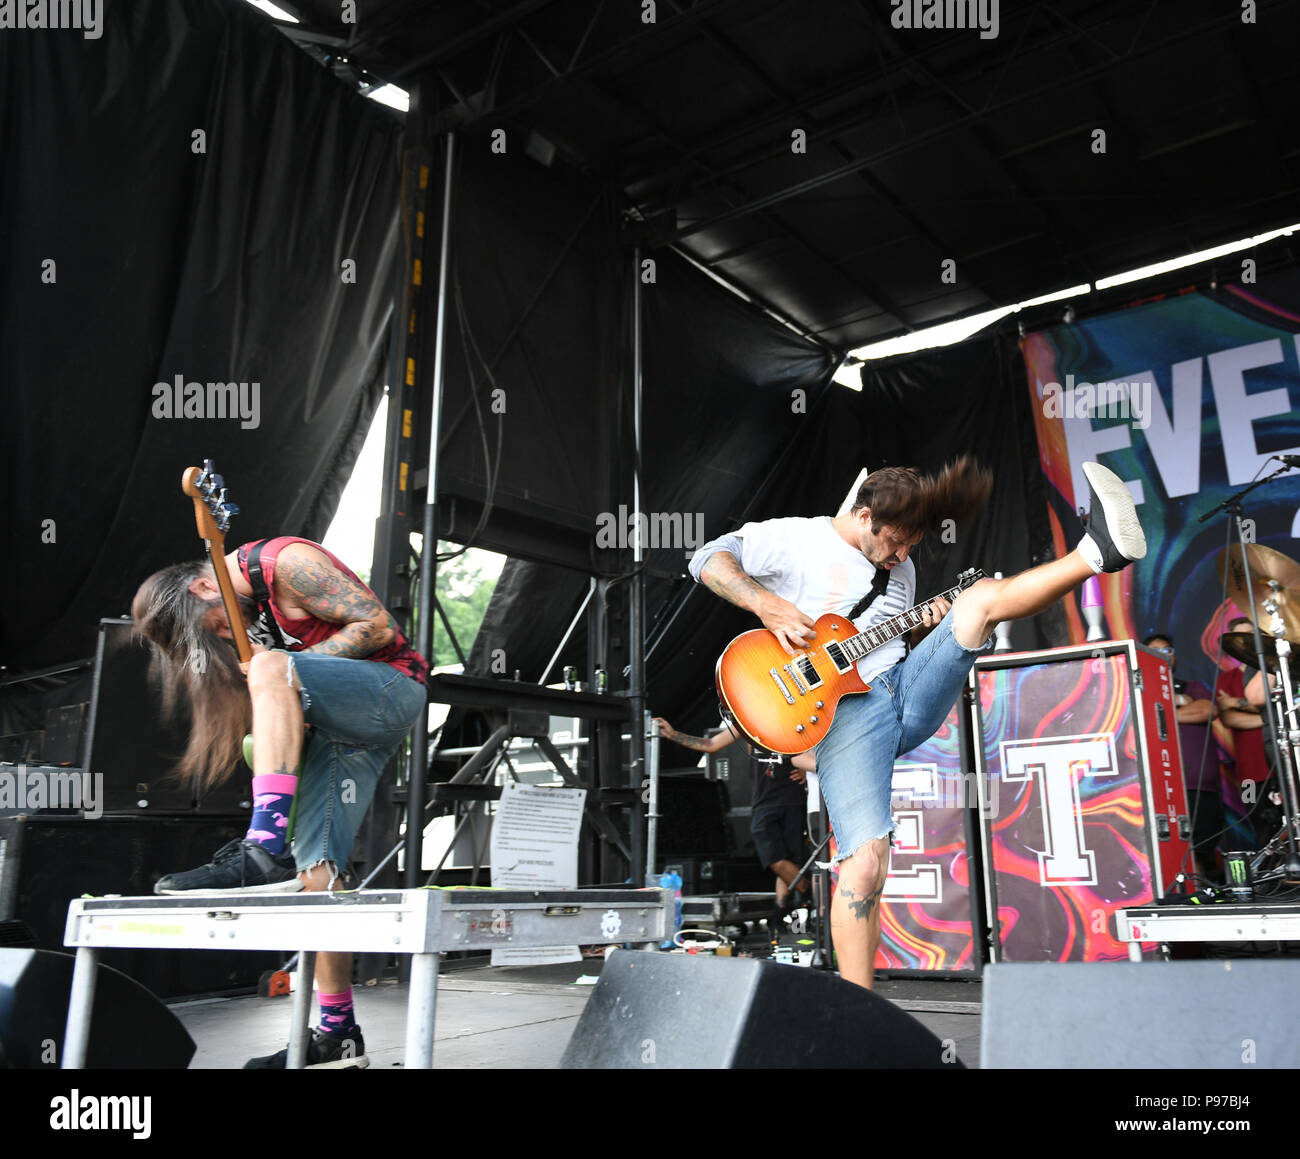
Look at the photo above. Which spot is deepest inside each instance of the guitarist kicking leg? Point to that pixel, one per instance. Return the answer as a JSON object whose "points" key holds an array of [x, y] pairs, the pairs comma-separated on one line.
{"points": [[341, 666], [788, 572]]}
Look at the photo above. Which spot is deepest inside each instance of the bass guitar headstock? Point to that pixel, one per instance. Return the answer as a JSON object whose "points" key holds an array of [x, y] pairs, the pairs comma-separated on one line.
{"points": [[213, 509], [972, 575]]}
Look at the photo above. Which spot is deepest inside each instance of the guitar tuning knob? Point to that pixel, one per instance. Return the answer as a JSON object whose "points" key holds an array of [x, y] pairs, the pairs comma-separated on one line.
{"points": [[229, 509]]}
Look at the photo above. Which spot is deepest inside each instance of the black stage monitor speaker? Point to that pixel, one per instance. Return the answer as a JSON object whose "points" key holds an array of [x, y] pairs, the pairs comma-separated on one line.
{"points": [[129, 1027], [680, 1011], [1142, 1015], [132, 748]]}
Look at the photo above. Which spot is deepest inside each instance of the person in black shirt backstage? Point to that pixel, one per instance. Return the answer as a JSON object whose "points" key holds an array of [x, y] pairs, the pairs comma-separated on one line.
{"points": [[779, 814]]}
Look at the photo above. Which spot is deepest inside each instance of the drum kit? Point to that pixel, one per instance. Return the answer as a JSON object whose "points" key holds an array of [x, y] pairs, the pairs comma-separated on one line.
{"points": [[1266, 584]]}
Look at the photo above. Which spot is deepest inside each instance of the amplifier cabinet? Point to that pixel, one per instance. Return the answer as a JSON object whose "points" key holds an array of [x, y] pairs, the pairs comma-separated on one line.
{"points": [[1082, 803], [132, 749], [46, 861]]}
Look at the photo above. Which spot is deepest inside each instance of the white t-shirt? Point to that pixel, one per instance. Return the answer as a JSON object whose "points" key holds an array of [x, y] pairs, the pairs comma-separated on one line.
{"points": [[807, 562]]}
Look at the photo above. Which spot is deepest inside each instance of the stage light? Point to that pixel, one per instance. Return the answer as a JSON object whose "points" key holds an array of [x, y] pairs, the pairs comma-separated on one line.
{"points": [[1195, 258], [274, 12], [391, 96]]}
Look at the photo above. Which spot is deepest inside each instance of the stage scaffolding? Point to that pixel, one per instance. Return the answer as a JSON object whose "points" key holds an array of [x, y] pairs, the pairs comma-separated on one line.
{"points": [[619, 790]]}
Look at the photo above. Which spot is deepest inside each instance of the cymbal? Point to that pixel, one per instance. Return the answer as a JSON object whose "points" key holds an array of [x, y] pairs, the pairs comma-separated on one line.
{"points": [[1265, 565], [1241, 646]]}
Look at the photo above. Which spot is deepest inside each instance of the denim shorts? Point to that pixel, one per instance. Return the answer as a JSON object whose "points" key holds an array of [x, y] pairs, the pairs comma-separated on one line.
{"points": [[360, 712], [905, 707]]}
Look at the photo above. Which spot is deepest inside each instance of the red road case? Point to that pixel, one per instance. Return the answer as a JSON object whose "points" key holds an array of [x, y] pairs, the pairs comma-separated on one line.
{"points": [[1083, 808]]}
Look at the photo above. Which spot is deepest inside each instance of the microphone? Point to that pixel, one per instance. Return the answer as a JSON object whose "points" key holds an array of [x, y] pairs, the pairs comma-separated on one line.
{"points": [[1289, 460]]}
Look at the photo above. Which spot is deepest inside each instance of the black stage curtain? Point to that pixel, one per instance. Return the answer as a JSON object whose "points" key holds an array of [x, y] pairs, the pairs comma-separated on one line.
{"points": [[531, 353], [925, 410], [729, 394], [222, 265]]}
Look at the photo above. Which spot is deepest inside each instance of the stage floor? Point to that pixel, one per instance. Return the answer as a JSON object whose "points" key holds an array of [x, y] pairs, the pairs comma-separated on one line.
{"points": [[507, 1017]]}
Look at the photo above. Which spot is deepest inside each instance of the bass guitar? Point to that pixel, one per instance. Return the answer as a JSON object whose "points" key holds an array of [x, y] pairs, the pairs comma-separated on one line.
{"points": [[785, 703]]}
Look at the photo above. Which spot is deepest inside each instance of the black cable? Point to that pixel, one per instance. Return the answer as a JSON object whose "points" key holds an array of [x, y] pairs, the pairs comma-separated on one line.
{"points": [[491, 464]]}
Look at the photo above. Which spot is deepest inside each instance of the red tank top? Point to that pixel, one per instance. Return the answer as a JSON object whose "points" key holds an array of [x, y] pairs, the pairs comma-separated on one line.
{"points": [[300, 634]]}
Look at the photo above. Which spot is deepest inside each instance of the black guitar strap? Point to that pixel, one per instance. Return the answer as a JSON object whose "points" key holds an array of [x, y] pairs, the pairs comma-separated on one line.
{"points": [[262, 594], [878, 586]]}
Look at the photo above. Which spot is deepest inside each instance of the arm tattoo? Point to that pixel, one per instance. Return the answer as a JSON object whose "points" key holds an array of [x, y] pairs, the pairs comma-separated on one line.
{"points": [[722, 576], [861, 904], [699, 743], [327, 594]]}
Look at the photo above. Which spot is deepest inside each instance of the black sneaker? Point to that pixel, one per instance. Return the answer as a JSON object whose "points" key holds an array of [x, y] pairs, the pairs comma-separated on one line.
{"points": [[324, 1052], [240, 866], [1114, 538]]}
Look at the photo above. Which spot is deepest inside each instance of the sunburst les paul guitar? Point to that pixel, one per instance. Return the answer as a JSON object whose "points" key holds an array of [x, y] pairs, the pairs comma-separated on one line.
{"points": [[785, 703]]}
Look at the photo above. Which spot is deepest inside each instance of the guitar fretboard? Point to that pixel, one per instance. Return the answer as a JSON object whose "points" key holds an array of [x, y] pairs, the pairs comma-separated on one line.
{"points": [[868, 640]]}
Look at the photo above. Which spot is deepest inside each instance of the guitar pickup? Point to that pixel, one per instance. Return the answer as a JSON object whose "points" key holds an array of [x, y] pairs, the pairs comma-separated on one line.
{"points": [[810, 674], [788, 669], [776, 676], [836, 653]]}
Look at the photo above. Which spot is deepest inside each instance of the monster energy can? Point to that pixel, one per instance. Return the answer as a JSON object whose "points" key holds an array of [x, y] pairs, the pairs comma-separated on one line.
{"points": [[1236, 868]]}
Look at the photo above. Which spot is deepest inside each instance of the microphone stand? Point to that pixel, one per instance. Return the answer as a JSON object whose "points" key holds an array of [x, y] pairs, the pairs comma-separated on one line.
{"points": [[1287, 759]]}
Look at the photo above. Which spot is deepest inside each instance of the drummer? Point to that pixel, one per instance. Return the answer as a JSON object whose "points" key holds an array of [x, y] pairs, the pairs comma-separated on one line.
{"points": [[1243, 716], [1254, 695]]}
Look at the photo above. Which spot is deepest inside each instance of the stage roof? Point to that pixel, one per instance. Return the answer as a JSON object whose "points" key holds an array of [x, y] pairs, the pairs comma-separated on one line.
{"points": [[829, 162]]}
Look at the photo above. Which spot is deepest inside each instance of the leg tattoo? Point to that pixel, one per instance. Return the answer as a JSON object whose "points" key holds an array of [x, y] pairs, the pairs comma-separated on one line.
{"points": [[861, 904]]}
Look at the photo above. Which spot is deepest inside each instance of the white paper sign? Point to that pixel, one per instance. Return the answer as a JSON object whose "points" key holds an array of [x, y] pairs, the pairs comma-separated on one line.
{"points": [[535, 846]]}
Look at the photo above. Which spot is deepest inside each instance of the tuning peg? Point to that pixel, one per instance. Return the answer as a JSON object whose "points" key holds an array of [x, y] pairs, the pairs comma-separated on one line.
{"points": [[230, 509]]}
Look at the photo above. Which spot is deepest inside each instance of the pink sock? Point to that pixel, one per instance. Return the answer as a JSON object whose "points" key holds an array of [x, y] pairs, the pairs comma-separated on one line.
{"points": [[336, 1016]]}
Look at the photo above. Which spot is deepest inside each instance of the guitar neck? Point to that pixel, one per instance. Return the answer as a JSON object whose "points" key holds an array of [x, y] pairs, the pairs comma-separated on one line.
{"points": [[868, 640], [235, 617]]}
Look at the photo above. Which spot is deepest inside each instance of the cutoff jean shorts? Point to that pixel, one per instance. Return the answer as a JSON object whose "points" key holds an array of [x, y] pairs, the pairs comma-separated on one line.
{"points": [[360, 712], [905, 707]]}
